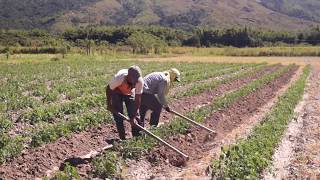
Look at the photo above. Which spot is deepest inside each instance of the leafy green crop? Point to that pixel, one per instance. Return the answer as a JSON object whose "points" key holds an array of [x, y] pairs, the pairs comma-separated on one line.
{"points": [[69, 173]]}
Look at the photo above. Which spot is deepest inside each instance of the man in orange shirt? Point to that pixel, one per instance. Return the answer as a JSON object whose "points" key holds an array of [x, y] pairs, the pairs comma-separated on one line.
{"points": [[125, 87]]}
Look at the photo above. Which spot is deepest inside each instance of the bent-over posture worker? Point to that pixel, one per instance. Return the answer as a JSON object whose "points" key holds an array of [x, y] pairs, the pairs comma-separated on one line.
{"points": [[156, 87], [125, 87]]}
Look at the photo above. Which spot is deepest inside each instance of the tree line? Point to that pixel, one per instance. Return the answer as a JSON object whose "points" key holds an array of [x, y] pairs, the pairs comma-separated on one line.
{"points": [[150, 39]]}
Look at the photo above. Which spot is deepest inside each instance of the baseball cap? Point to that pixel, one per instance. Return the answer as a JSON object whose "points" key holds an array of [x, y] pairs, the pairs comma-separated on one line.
{"points": [[175, 74]]}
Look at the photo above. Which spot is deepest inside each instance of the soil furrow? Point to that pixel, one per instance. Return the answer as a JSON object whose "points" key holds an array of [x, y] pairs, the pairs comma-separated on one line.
{"points": [[297, 156], [36, 162]]}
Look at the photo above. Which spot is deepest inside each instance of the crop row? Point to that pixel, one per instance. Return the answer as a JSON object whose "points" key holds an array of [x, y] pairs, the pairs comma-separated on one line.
{"points": [[96, 85], [13, 92], [49, 113], [249, 157], [233, 74]]}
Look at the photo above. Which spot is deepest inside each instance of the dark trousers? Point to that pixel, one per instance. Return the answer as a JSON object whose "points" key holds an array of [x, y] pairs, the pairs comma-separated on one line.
{"points": [[149, 101], [117, 103]]}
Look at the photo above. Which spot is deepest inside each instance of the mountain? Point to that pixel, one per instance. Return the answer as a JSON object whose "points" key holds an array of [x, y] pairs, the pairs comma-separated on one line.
{"points": [[306, 9], [58, 15]]}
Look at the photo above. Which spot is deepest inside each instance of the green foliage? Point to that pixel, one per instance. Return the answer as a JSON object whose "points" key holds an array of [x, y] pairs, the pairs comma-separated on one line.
{"points": [[107, 165], [148, 39], [29, 38], [145, 43], [9, 147], [248, 158], [201, 37], [5, 124], [75, 124], [69, 173]]}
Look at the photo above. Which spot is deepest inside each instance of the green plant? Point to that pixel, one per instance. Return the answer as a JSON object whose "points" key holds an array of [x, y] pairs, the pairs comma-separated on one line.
{"points": [[9, 147], [107, 165], [69, 173]]}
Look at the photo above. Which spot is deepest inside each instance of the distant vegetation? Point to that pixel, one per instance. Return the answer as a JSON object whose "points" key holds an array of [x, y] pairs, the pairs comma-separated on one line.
{"points": [[147, 39]]}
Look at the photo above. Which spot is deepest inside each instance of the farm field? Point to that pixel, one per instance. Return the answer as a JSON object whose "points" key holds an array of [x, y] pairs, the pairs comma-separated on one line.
{"points": [[53, 111]]}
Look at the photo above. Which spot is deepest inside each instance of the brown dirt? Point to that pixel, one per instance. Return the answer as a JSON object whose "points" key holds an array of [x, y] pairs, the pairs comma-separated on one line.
{"points": [[305, 161], [36, 162], [196, 144]]}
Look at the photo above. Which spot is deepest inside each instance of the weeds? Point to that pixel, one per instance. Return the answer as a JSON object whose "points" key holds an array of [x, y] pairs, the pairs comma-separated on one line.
{"points": [[107, 166]]}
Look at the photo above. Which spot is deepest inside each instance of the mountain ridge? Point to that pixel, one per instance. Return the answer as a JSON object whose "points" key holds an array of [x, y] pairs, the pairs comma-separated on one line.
{"points": [[59, 15]]}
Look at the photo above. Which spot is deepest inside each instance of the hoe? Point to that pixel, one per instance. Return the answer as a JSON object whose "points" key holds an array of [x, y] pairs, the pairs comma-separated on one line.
{"points": [[193, 122], [164, 142], [156, 137]]}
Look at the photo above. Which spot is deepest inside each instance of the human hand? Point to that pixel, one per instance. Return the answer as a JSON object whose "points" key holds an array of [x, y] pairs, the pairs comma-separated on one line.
{"points": [[168, 109]]}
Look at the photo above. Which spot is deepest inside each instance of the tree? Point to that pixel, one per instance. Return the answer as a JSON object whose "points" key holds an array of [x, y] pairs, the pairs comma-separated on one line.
{"points": [[193, 41], [145, 43]]}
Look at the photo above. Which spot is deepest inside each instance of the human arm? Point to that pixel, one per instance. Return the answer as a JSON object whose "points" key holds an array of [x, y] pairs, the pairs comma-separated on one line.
{"points": [[162, 89], [109, 92]]}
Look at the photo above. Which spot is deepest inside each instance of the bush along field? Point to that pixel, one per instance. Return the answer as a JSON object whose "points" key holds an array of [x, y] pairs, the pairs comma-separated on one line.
{"points": [[249, 157], [57, 111]]}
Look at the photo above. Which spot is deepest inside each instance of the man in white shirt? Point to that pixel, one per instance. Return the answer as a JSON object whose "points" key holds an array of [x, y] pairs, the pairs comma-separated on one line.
{"points": [[125, 87], [156, 87]]}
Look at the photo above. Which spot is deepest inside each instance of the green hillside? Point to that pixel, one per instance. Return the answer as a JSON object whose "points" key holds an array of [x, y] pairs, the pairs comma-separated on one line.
{"points": [[306, 9], [58, 15]]}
